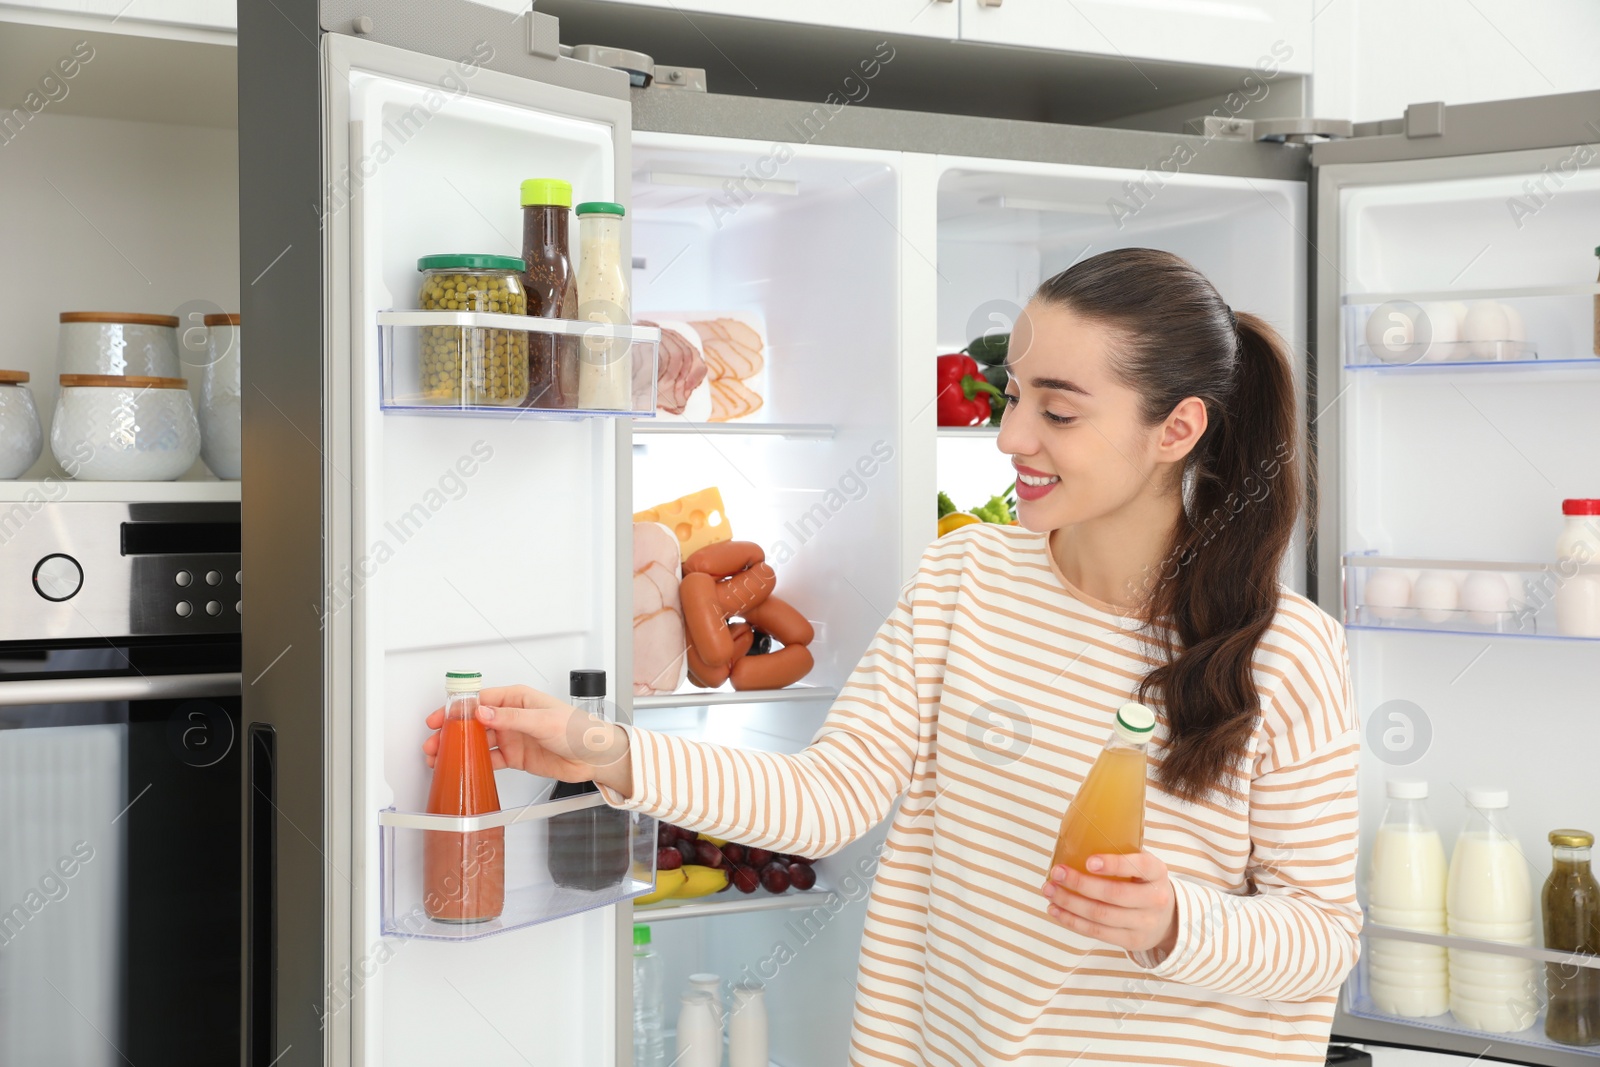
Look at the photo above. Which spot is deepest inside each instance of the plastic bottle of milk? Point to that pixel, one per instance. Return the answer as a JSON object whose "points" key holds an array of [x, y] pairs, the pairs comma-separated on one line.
{"points": [[1406, 889], [1578, 595], [1490, 899]]}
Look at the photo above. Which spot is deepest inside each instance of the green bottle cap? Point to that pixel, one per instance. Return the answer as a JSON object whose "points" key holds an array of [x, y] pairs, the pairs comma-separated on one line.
{"points": [[467, 261], [1136, 720], [552, 192], [600, 207], [641, 934]]}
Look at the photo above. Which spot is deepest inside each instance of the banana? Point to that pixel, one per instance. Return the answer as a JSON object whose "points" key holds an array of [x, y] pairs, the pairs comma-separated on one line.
{"points": [[700, 881], [718, 841], [667, 883]]}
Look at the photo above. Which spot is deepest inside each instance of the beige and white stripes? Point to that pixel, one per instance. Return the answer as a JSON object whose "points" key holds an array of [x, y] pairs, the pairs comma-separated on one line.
{"points": [[960, 964]]}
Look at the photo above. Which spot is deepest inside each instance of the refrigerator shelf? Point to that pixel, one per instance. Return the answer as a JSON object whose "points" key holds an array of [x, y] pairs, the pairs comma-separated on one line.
{"points": [[969, 431], [1483, 597], [705, 698], [560, 858], [1453, 354], [1514, 293], [819, 896], [794, 430], [1358, 999], [464, 347]]}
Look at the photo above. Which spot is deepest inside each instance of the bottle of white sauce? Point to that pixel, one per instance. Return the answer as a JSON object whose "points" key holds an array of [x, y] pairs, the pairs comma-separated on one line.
{"points": [[1578, 594], [1489, 898], [1407, 890], [605, 367]]}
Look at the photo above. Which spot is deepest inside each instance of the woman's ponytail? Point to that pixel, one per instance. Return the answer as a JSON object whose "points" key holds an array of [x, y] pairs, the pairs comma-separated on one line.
{"points": [[1216, 592]]}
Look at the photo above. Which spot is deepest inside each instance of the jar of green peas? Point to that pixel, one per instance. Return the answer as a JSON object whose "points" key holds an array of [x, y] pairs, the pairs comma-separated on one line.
{"points": [[473, 365]]}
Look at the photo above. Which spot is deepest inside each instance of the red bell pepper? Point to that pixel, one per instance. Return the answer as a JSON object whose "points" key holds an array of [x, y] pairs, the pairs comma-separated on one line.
{"points": [[963, 392]]}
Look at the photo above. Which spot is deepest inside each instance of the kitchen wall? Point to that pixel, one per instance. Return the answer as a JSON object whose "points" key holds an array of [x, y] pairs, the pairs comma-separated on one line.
{"points": [[1373, 57]]}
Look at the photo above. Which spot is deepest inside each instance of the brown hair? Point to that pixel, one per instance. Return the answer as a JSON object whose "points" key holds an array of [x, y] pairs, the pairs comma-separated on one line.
{"points": [[1174, 337]]}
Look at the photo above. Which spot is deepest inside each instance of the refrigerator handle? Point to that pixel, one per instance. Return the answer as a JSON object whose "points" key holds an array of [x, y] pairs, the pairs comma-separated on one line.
{"points": [[261, 911]]}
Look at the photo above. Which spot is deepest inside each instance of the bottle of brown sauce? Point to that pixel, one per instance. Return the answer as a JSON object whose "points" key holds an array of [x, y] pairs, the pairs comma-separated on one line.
{"points": [[1572, 924], [552, 288]]}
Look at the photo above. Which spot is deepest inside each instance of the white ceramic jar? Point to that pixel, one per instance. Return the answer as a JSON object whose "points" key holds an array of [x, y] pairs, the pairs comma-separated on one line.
{"points": [[118, 342], [220, 437], [124, 428], [21, 440], [1578, 594]]}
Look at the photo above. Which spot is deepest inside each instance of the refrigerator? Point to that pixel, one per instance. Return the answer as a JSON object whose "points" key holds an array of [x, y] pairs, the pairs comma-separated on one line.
{"points": [[402, 545]]}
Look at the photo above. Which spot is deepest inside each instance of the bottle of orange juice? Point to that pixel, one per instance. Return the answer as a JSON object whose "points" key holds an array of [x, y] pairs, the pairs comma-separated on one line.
{"points": [[1107, 815]]}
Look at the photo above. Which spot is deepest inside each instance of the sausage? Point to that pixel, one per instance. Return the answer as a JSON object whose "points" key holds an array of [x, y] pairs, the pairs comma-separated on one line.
{"points": [[703, 675], [747, 589], [744, 636], [724, 558], [780, 619], [707, 625], [774, 670]]}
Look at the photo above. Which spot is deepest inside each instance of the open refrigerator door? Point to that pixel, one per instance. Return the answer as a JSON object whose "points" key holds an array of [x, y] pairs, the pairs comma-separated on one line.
{"points": [[1454, 413]]}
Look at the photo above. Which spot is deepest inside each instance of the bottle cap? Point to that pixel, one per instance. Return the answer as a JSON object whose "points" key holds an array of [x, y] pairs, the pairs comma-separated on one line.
{"points": [[1407, 789], [1580, 506], [587, 683], [462, 681], [1571, 838], [641, 934], [546, 192], [471, 261], [1487, 799], [1135, 722], [599, 207]]}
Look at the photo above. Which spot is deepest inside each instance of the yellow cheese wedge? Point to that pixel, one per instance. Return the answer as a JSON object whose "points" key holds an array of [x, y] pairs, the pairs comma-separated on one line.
{"points": [[698, 520]]}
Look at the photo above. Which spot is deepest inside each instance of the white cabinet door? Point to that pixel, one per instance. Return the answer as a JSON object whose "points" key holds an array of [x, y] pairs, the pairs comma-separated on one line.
{"points": [[1224, 33], [923, 18]]}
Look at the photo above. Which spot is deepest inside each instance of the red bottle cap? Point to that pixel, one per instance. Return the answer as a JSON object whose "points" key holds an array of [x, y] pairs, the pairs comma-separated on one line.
{"points": [[1580, 507]]}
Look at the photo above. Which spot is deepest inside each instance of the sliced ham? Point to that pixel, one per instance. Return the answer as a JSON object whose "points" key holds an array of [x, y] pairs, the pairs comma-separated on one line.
{"points": [[659, 640], [732, 399]]}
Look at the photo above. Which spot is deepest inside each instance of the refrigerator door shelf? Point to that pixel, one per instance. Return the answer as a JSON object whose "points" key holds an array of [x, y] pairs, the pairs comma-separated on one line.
{"points": [[1479, 326], [1445, 354], [464, 343], [1470, 596], [559, 858], [1561, 965]]}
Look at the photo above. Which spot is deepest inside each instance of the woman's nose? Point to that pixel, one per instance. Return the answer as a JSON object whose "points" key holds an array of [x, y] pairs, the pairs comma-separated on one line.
{"points": [[1016, 437]]}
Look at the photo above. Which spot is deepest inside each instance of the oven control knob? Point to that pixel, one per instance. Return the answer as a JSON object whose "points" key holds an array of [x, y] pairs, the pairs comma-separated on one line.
{"points": [[58, 577]]}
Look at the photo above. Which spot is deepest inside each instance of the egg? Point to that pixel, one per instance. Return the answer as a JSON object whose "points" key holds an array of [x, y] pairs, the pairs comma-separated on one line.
{"points": [[1442, 333], [1436, 595], [1486, 323], [1391, 332], [1386, 593], [1486, 595], [1515, 329], [1460, 310]]}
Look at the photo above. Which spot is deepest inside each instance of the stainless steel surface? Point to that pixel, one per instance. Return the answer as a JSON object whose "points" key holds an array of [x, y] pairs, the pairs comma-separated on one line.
{"points": [[138, 687], [639, 66], [1475, 129], [418, 820], [1301, 130], [1425, 120], [452, 29], [786, 121], [66, 576]]}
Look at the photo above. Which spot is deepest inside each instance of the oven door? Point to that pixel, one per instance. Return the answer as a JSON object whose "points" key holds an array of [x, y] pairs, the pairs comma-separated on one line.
{"points": [[120, 911]]}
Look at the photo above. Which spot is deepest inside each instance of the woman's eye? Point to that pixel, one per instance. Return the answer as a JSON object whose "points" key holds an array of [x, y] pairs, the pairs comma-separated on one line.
{"points": [[1011, 399], [1060, 420]]}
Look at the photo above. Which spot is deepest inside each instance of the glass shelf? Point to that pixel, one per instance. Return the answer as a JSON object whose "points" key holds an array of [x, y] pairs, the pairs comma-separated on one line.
{"points": [[556, 859], [705, 698], [485, 349], [1543, 600], [969, 431], [1513, 293], [733, 902], [1563, 966], [796, 430]]}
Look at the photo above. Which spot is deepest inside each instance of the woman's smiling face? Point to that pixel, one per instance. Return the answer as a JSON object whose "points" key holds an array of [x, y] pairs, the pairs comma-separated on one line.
{"points": [[1075, 433]]}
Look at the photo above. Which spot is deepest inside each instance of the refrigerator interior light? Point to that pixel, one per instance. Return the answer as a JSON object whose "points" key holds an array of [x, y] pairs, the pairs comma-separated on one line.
{"points": [[716, 181], [1022, 203]]}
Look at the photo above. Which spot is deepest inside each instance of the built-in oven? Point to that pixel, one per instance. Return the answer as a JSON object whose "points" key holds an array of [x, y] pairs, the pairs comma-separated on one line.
{"points": [[122, 765]]}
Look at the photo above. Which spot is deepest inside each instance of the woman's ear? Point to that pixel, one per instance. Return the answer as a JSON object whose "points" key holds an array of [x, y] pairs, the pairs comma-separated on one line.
{"points": [[1182, 430]]}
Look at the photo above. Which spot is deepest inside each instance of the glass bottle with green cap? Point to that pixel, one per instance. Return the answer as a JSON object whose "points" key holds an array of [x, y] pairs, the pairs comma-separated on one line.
{"points": [[1106, 815], [605, 370], [469, 365], [552, 292]]}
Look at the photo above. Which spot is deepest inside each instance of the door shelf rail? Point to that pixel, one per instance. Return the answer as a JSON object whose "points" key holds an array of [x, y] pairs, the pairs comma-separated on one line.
{"points": [[471, 363], [554, 859], [1551, 601], [1534, 982], [1507, 293]]}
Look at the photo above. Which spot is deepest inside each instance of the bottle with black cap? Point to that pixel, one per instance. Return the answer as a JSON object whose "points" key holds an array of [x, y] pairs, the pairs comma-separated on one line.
{"points": [[589, 848]]}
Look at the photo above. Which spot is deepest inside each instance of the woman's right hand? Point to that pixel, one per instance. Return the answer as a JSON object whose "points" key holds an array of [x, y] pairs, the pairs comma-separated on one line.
{"points": [[547, 737]]}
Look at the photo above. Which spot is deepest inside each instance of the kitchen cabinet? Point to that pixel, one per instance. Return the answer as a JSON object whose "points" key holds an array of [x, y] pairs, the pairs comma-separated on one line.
{"points": [[1183, 31]]}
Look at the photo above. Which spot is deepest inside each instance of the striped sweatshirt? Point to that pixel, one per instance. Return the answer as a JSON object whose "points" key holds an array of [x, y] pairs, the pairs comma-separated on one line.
{"points": [[980, 705]]}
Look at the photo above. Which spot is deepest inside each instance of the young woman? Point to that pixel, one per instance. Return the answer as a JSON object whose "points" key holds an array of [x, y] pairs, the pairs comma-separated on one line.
{"points": [[1154, 435]]}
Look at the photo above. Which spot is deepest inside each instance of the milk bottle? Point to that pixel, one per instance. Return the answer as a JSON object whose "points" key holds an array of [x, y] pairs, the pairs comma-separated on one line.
{"points": [[1406, 889], [1490, 898]]}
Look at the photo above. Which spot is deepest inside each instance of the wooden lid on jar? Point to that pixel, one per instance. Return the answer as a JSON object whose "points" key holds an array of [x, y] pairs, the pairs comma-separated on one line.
{"points": [[228, 319], [121, 381], [126, 318], [13, 377]]}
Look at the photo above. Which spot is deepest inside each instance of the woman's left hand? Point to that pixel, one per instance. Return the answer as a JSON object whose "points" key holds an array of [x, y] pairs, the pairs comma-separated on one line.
{"points": [[1128, 902]]}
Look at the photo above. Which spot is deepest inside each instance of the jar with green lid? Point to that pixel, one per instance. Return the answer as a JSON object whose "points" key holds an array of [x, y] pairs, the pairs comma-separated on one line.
{"points": [[472, 365]]}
